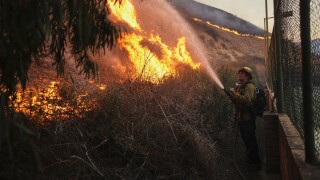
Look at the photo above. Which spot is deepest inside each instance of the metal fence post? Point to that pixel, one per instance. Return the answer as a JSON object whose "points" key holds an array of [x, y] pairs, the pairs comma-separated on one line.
{"points": [[279, 92], [267, 24], [307, 90]]}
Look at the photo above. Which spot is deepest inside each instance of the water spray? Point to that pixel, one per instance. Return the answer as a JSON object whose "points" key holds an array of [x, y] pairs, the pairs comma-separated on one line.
{"points": [[211, 72], [215, 78]]}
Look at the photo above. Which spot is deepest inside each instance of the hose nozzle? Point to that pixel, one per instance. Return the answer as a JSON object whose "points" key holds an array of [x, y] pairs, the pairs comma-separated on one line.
{"points": [[227, 92]]}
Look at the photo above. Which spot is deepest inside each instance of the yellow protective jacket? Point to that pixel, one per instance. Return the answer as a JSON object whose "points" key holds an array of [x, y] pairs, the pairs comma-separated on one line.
{"points": [[242, 99]]}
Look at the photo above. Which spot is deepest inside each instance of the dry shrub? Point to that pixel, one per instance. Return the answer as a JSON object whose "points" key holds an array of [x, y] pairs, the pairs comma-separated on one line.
{"points": [[138, 131]]}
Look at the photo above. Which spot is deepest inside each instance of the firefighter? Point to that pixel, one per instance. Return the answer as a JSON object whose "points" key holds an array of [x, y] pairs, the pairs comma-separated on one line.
{"points": [[242, 97]]}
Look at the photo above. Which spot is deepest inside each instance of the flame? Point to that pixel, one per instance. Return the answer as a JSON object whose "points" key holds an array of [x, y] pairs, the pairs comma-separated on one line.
{"points": [[183, 55], [146, 63], [125, 12], [99, 85], [152, 59], [150, 65], [47, 103], [229, 30]]}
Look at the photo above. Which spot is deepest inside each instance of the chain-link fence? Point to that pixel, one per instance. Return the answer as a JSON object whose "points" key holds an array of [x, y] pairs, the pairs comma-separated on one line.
{"points": [[315, 52], [289, 74], [291, 61]]}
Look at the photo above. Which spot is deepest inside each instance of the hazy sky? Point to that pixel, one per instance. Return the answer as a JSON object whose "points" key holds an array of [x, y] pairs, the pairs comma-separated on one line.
{"points": [[249, 10]]}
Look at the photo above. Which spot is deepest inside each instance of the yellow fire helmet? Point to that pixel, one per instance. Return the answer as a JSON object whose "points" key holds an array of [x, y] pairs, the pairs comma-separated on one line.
{"points": [[246, 70]]}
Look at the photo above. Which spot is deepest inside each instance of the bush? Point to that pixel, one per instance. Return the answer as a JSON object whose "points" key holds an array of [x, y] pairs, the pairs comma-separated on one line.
{"points": [[138, 130]]}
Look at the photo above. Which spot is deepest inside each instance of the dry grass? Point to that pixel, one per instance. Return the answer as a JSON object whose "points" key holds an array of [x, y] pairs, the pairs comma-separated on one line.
{"points": [[137, 131]]}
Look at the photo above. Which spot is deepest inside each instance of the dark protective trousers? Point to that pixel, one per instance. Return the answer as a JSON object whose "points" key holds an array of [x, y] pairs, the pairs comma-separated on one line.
{"points": [[248, 134]]}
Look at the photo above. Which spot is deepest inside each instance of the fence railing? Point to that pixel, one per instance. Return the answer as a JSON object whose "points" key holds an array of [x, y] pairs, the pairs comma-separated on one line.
{"points": [[293, 67]]}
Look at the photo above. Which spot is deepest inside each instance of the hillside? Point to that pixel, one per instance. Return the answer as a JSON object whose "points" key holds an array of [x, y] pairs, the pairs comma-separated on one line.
{"points": [[225, 48], [218, 16]]}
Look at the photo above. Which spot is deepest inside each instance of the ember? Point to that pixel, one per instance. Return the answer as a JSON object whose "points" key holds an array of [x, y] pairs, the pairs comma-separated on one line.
{"points": [[227, 29], [48, 104]]}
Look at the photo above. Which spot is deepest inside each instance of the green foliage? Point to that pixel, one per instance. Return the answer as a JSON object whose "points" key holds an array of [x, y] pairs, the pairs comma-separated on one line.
{"points": [[31, 29]]}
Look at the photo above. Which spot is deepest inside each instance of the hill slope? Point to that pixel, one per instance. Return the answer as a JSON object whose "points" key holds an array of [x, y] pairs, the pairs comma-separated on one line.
{"points": [[225, 48], [217, 16]]}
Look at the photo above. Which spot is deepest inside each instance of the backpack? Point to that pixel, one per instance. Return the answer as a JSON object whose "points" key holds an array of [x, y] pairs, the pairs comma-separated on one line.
{"points": [[260, 102]]}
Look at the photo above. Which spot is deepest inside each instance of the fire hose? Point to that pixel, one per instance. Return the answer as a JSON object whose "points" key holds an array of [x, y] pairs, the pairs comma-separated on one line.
{"points": [[235, 146]]}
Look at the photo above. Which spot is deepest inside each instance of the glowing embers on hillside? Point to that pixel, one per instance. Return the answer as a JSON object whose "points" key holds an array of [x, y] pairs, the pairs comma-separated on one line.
{"points": [[152, 58], [47, 104], [227, 29]]}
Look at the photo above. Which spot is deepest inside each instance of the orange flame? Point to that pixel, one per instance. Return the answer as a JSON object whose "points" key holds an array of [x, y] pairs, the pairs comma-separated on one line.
{"points": [[47, 103], [183, 55], [99, 85], [150, 65], [228, 30], [125, 12], [146, 63]]}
